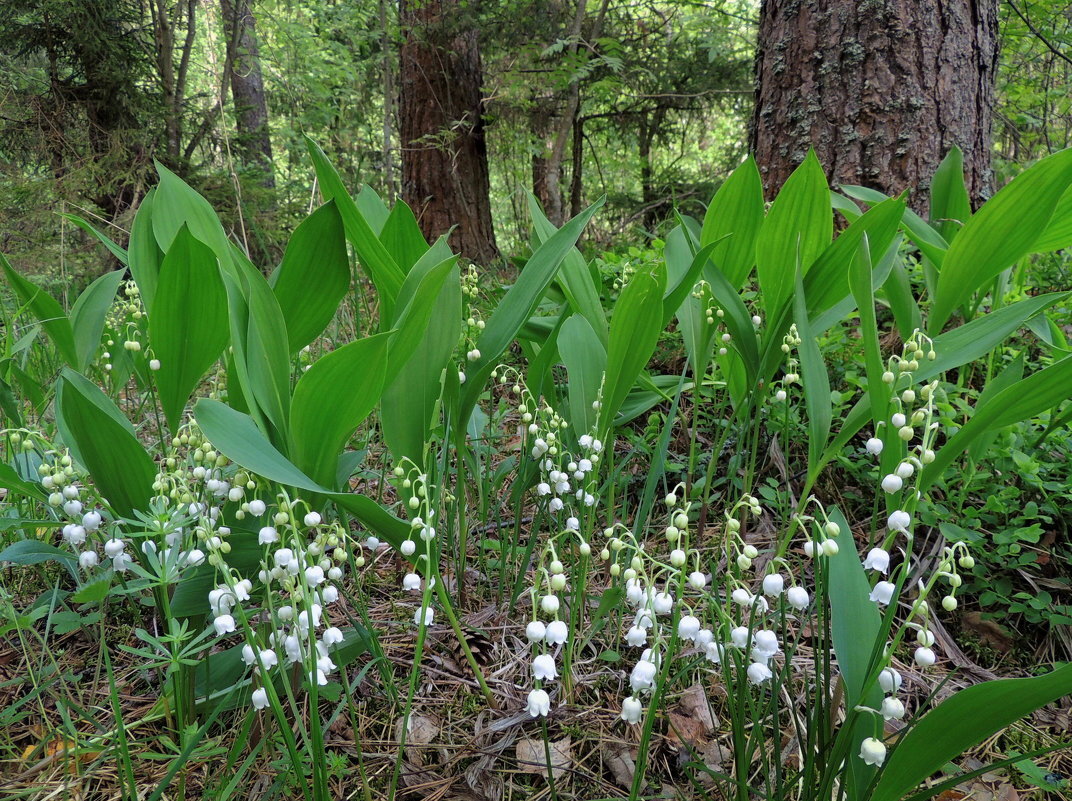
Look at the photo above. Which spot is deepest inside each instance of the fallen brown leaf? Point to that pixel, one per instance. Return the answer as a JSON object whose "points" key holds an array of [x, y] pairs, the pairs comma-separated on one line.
{"points": [[532, 756]]}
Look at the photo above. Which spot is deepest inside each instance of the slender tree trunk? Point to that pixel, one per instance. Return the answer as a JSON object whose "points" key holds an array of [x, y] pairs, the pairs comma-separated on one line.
{"points": [[388, 105], [254, 141], [577, 174], [549, 188], [444, 153], [882, 89]]}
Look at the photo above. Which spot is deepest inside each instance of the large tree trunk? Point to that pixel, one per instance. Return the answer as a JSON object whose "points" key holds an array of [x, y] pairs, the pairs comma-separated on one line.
{"points": [[444, 153], [254, 141], [882, 89]]}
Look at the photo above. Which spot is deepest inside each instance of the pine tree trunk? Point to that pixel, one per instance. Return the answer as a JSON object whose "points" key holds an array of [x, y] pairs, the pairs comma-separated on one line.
{"points": [[254, 142], [444, 153], [882, 89]]}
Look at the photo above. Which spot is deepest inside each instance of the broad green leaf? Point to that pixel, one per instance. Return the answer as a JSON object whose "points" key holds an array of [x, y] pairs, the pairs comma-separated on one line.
{"points": [[736, 318], [437, 292], [862, 289], [47, 311], [144, 255], [977, 338], [634, 332], [187, 322], [190, 598], [1026, 398], [828, 280], [950, 205], [683, 270], [33, 552], [962, 721], [313, 277], [965, 344], [13, 482], [89, 314], [798, 228], [855, 626], [930, 243], [373, 256], [429, 328], [372, 208], [90, 229], [736, 210], [236, 436], [266, 345], [816, 382], [90, 425], [898, 293], [331, 400], [401, 235], [574, 277], [176, 204], [1011, 375], [520, 302], [94, 591], [585, 360], [1001, 232], [824, 321], [1058, 233]]}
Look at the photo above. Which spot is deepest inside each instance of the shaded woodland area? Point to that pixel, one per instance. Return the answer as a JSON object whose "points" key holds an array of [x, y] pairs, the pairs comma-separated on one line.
{"points": [[461, 108]]}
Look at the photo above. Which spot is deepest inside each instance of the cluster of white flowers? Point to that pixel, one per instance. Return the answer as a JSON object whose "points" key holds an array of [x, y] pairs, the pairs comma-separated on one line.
{"points": [[790, 341], [304, 561]]}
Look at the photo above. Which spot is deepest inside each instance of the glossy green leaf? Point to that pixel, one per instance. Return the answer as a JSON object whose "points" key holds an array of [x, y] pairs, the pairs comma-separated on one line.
{"points": [[1026, 398], [47, 311], [962, 721], [1058, 233], [930, 243], [735, 212], [237, 437], [176, 204], [372, 208], [1008, 377], [574, 277], [520, 302], [187, 322], [1001, 232], [585, 360], [373, 256], [331, 400], [266, 345], [432, 290], [902, 302], [90, 425], [144, 255], [401, 236], [634, 332], [828, 280], [89, 314], [855, 626], [816, 381], [13, 482], [190, 598], [422, 349], [313, 277], [798, 228], [950, 204], [683, 270], [99, 235], [34, 552]]}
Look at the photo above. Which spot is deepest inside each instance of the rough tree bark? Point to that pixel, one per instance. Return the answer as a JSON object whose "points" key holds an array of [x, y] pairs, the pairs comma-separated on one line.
{"points": [[882, 89], [444, 153], [254, 141]]}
